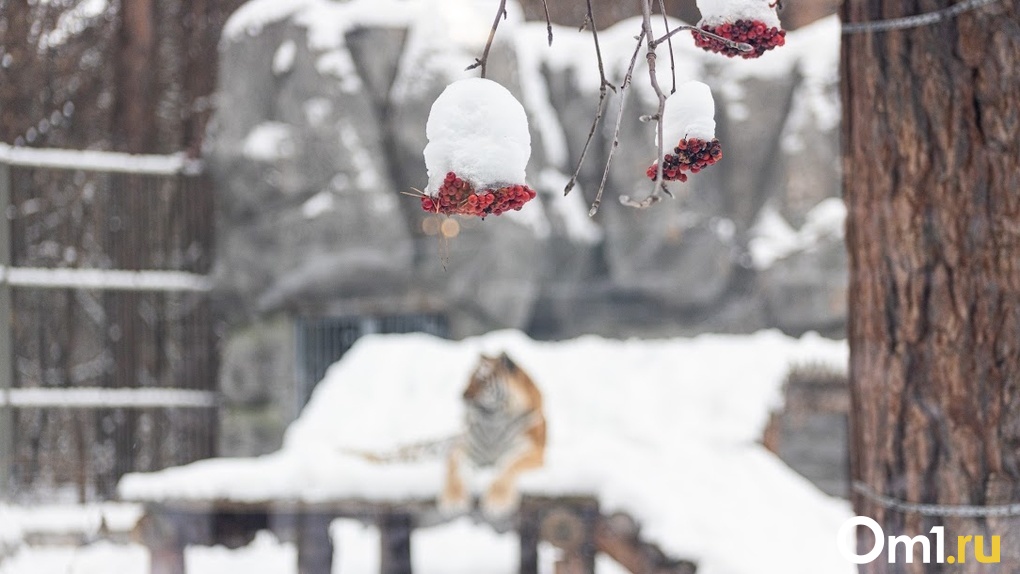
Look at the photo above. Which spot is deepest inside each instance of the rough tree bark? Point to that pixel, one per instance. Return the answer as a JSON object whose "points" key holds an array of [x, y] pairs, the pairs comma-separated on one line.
{"points": [[932, 183]]}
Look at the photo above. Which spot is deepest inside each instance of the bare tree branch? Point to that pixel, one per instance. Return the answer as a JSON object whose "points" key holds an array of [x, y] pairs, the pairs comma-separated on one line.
{"points": [[742, 46], [604, 84], [548, 21], [619, 118], [483, 61], [650, 56], [672, 57], [658, 185]]}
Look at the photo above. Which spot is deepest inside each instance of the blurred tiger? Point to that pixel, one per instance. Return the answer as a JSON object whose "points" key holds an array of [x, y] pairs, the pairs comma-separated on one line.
{"points": [[504, 429], [504, 432]]}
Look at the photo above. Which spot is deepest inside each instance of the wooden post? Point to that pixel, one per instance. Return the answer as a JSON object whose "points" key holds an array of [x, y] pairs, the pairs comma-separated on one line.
{"points": [[570, 526], [314, 544], [529, 529], [395, 537], [6, 342], [589, 512], [161, 533]]}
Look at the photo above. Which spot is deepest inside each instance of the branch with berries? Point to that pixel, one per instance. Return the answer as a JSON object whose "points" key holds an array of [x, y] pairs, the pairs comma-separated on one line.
{"points": [[477, 168]]}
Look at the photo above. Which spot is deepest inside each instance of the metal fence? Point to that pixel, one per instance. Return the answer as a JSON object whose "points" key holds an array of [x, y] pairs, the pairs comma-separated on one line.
{"points": [[108, 357], [322, 341]]}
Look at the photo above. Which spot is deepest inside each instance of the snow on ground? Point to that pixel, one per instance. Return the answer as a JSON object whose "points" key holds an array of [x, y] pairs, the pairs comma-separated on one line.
{"points": [[664, 430], [458, 547], [10, 531], [97, 558]]}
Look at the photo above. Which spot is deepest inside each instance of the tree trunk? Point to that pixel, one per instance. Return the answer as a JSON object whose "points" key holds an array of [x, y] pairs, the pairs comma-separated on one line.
{"points": [[932, 184]]}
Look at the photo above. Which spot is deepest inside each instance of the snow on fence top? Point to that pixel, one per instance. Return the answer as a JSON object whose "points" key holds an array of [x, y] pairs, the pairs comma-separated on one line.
{"points": [[108, 279], [91, 160], [664, 430], [105, 398]]}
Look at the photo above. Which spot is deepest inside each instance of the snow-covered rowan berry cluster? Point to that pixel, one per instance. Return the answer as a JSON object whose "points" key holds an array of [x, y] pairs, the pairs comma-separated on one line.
{"points": [[758, 35], [457, 196], [691, 155]]}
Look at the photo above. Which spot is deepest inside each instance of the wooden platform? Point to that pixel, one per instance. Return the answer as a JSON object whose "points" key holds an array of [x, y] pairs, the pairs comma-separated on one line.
{"points": [[572, 524]]}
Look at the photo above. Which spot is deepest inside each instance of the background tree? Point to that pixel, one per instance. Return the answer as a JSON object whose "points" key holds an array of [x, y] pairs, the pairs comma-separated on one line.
{"points": [[931, 126]]}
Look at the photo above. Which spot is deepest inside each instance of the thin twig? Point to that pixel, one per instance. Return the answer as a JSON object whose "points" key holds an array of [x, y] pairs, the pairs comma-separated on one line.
{"points": [[650, 56], [484, 60], [619, 119], [604, 84], [548, 21], [672, 57], [742, 46]]}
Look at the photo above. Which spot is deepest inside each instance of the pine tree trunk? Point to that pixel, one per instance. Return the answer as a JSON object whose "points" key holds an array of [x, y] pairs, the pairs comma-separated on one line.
{"points": [[932, 184]]}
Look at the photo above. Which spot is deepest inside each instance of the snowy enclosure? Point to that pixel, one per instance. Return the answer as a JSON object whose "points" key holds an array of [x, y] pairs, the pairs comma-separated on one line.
{"points": [[665, 431], [323, 117]]}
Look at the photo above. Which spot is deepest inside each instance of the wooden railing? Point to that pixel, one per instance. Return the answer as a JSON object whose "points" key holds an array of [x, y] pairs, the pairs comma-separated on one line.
{"points": [[572, 524]]}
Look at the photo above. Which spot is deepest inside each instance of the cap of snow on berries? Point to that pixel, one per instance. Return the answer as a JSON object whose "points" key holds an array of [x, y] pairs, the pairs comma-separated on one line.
{"points": [[688, 132], [478, 150], [753, 22]]}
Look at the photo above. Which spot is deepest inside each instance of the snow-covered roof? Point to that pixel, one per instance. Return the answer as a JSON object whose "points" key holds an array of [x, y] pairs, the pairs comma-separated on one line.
{"points": [[664, 430]]}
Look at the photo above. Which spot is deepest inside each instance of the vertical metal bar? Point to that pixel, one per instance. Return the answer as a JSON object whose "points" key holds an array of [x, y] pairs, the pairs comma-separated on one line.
{"points": [[6, 341]]}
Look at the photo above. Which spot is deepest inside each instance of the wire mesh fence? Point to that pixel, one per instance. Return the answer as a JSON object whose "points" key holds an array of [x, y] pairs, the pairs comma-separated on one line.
{"points": [[105, 278], [321, 341]]}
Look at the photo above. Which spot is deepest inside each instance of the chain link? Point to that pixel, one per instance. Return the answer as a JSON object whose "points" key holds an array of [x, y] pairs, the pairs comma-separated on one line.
{"points": [[914, 21], [953, 510]]}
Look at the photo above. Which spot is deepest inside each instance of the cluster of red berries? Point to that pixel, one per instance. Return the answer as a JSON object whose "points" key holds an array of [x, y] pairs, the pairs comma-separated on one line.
{"points": [[458, 196], [691, 155], [761, 38]]}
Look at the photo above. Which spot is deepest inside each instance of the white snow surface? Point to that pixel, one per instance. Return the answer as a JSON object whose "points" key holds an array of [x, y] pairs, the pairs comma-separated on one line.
{"points": [[108, 279], [57, 519], [102, 397], [478, 130], [72, 21], [283, 59], [94, 160], [269, 141], [773, 238], [10, 530], [689, 113], [664, 430], [98, 558], [714, 12], [458, 547]]}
